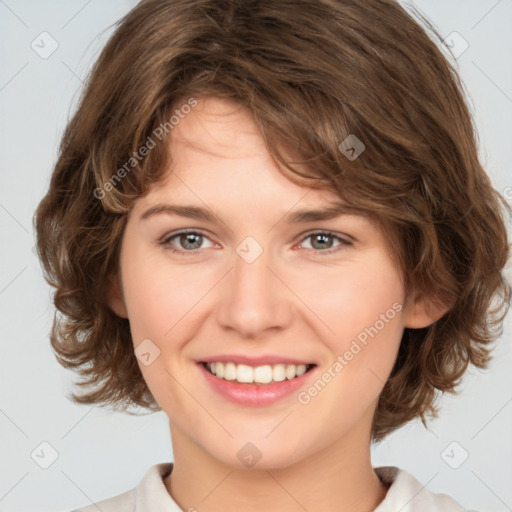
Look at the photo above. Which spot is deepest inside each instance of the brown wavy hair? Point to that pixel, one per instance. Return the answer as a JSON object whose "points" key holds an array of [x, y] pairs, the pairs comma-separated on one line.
{"points": [[312, 72]]}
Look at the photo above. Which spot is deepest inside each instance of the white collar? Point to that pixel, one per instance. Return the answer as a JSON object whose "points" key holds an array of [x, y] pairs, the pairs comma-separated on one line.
{"points": [[405, 494]]}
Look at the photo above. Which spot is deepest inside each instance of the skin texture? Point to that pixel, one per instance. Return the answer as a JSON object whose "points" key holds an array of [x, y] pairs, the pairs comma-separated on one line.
{"points": [[293, 300]]}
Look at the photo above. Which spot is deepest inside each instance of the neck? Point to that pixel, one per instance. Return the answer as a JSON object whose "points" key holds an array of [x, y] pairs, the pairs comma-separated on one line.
{"points": [[339, 478]]}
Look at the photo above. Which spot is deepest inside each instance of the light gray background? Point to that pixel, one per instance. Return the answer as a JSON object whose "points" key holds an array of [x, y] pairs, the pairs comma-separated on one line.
{"points": [[101, 454]]}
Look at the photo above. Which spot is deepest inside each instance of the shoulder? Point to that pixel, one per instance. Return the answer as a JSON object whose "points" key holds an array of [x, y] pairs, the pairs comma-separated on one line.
{"points": [[124, 501], [407, 494], [150, 493]]}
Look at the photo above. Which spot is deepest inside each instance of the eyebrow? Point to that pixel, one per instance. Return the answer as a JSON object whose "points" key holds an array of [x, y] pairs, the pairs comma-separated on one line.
{"points": [[294, 217]]}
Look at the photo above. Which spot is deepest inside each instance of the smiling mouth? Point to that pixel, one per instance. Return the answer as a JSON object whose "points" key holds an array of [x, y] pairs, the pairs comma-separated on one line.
{"points": [[265, 374]]}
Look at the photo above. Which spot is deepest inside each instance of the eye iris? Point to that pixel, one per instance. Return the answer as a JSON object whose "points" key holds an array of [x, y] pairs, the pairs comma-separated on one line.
{"points": [[186, 237], [193, 241], [322, 245]]}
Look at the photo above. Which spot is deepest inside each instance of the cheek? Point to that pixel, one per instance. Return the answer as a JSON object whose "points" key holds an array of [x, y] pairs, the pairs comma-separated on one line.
{"points": [[354, 297], [158, 294], [160, 299], [376, 319], [363, 308], [370, 326]]}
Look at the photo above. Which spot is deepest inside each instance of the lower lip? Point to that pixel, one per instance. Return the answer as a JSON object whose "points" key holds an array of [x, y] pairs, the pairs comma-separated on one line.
{"points": [[254, 394]]}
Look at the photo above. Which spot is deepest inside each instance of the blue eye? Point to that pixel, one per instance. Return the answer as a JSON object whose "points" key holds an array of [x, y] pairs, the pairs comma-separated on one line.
{"points": [[191, 241]]}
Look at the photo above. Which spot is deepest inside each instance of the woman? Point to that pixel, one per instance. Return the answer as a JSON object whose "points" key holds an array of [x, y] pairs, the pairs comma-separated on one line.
{"points": [[269, 221]]}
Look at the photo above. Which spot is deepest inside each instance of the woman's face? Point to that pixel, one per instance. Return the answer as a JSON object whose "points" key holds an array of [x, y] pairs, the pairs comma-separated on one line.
{"points": [[258, 288]]}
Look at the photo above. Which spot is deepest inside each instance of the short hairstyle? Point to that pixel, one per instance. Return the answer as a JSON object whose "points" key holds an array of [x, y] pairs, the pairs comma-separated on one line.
{"points": [[312, 73]]}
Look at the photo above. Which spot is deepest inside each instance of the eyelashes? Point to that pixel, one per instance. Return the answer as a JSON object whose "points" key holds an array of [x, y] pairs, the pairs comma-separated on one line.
{"points": [[191, 237], [183, 235]]}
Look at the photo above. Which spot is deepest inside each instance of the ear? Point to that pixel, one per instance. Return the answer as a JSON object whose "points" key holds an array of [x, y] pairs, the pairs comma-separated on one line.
{"points": [[421, 311], [115, 297]]}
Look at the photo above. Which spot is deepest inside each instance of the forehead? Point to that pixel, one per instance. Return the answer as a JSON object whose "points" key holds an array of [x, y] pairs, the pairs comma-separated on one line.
{"points": [[217, 127], [218, 156]]}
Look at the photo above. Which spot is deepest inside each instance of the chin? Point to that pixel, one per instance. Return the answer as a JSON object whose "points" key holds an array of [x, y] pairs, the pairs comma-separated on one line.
{"points": [[257, 454]]}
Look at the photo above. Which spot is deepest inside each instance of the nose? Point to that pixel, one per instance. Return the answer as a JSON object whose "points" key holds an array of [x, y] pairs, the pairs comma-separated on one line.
{"points": [[255, 298]]}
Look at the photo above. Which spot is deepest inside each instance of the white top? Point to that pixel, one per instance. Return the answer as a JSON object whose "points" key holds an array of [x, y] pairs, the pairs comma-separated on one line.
{"points": [[405, 494]]}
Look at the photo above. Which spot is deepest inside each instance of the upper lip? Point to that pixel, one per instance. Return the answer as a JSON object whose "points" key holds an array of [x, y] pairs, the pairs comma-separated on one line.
{"points": [[254, 361]]}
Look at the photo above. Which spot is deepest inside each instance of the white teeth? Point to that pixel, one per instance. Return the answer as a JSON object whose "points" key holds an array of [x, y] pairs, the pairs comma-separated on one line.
{"points": [[290, 371], [278, 373], [263, 374], [229, 370], [219, 370], [244, 373], [260, 374], [301, 369]]}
